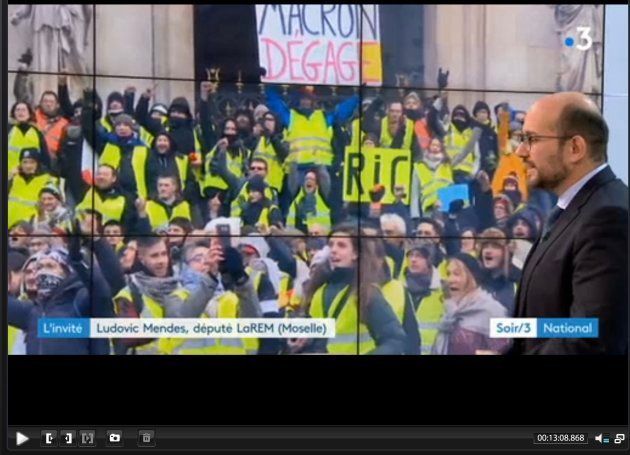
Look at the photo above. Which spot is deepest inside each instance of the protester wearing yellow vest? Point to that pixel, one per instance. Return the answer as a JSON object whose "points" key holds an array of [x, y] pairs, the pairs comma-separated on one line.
{"points": [[434, 172], [365, 322], [24, 134], [229, 153], [25, 185], [272, 150], [462, 145], [106, 198], [257, 166], [422, 281], [309, 132], [259, 211], [165, 159], [309, 207], [394, 130], [154, 292], [238, 300], [157, 213], [126, 153]]}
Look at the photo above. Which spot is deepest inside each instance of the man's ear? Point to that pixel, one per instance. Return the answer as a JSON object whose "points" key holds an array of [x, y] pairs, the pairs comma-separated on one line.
{"points": [[579, 149]]}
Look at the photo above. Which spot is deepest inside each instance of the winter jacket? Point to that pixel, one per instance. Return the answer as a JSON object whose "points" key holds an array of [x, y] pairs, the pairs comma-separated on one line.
{"points": [[85, 293]]}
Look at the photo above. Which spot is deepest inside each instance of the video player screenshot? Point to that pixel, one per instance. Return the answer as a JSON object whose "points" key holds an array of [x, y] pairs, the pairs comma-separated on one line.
{"points": [[286, 228]]}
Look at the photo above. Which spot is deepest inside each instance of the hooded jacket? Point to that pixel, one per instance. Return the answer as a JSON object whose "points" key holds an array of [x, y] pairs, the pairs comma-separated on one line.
{"points": [[84, 293]]}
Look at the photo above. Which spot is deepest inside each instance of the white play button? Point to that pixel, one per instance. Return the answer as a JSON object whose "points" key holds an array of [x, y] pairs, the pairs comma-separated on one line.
{"points": [[20, 438]]}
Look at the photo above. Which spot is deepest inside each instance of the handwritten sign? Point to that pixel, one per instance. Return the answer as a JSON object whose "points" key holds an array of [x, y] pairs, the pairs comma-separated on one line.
{"points": [[319, 44], [371, 165]]}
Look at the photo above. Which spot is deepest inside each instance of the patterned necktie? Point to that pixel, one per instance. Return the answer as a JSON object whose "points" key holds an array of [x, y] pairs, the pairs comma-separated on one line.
{"points": [[553, 217]]}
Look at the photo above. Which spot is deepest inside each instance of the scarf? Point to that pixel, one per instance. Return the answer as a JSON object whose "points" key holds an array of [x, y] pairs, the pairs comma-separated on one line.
{"points": [[419, 285], [158, 289], [472, 312], [433, 161]]}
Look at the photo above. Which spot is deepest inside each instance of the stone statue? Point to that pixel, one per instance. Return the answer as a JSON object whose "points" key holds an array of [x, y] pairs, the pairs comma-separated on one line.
{"points": [[58, 36], [580, 69]]}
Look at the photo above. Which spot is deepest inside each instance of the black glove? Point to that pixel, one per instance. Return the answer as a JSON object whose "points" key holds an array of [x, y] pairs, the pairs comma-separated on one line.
{"points": [[442, 79], [26, 57], [377, 193], [455, 206], [232, 265]]}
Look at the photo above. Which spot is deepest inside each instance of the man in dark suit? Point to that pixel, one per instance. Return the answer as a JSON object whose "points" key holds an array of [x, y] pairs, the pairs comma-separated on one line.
{"points": [[579, 266]]}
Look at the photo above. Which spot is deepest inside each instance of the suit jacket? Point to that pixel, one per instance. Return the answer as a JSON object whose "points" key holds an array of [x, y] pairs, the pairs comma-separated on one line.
{"points": [[581, 270]]}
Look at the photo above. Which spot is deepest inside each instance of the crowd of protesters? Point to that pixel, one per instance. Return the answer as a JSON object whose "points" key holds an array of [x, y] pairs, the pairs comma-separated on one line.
{"points": [[142, 232]]}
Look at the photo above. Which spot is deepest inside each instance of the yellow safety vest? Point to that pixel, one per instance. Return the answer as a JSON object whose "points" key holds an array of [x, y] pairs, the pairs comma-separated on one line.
{"points": [[352, 336], [443, 269], [12, 335], [431, 181], [105, 124], [395, 293], [234, 165], [227, 309], [236, 207], [112, 157], [275, 173], [429, 314], [356, 138], [309, 139], [109, 208], [321, 215], [386, 138], [24, 197], [152, 310], [454, 143], [158, 216], [18, 141]]}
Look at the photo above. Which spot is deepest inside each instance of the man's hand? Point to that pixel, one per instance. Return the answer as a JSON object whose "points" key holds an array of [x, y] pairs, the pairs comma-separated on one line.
{"points": [[232, 264], [442, 79], [149, 92], [222, 143], [484, 181], [141, 207], [296, 345]]}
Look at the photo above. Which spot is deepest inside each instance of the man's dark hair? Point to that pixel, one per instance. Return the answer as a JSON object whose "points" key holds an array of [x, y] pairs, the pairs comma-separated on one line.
{"points": [[576, 120], [183, 223], [114, 223], [260, 160], [145, 242], [173, 177], [48, 92], [394, 101]]}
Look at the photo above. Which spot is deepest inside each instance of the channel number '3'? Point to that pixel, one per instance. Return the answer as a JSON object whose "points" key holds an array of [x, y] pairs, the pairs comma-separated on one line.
{"points": [[585, 36]]}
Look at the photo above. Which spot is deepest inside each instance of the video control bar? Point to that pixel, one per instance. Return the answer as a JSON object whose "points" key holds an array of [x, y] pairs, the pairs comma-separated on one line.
{"points": [[292, 438]]}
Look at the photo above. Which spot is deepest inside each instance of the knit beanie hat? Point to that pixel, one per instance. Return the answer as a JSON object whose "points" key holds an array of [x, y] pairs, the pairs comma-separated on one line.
{"points": [[30, 152], [480, 105], [472, 265], [124, 119], [180, 104], [256, 183], [52, 189]]}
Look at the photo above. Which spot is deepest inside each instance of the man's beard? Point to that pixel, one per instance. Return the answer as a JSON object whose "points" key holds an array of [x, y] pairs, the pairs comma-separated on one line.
{"points": [[551, 179]]}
